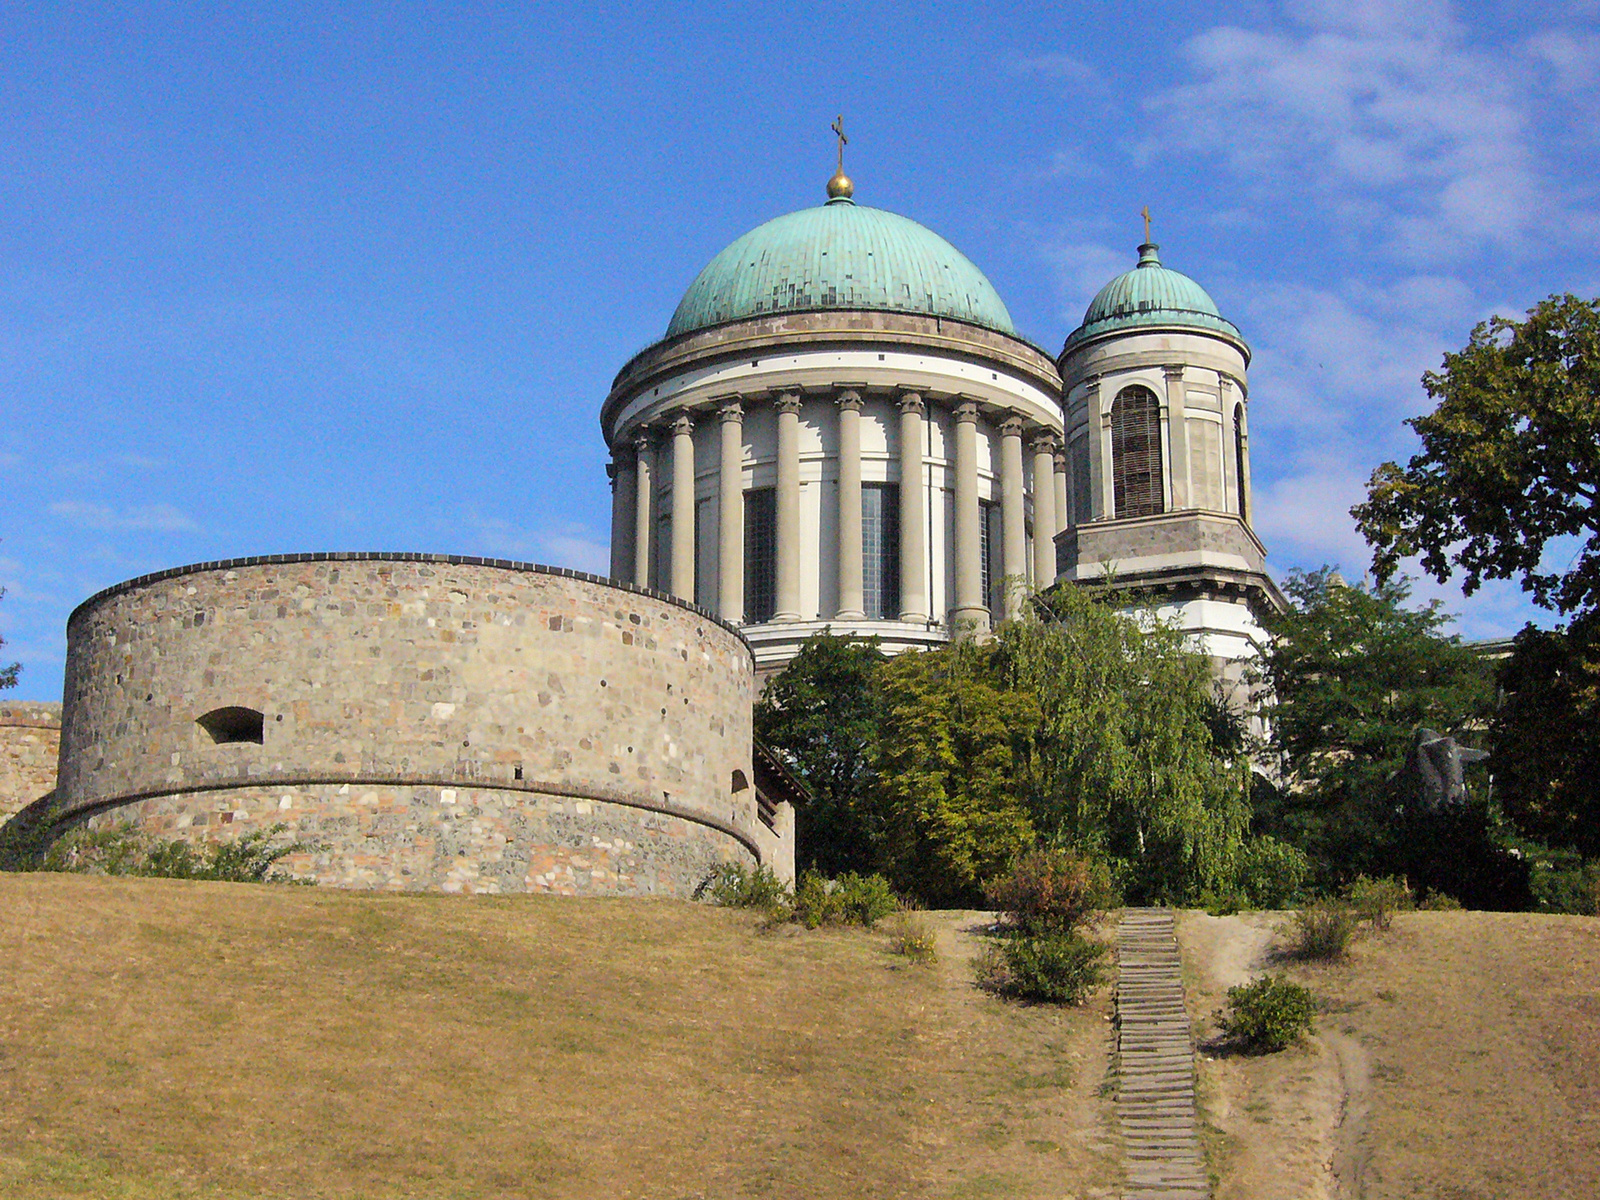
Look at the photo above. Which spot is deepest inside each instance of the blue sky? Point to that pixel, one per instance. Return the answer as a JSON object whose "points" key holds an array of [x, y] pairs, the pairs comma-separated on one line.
{"points": [[310, 277]]}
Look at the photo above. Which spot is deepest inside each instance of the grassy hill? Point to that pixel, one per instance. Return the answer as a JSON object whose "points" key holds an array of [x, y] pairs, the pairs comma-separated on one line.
{"points": [[1458, 1058], [162, 1038]]}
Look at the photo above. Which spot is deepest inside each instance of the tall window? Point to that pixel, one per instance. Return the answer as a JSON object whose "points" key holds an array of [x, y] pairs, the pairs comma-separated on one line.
{"points": [[1136, 452], [1082, 507], [661, 551], [760, 555], [1238, 460], [989, 544], [880, 550]]}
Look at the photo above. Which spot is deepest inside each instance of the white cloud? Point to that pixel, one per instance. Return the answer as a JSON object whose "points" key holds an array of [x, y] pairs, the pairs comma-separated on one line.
{"points": [[1063, 69], [569, 545], [149, 518], [1081, 269], [1383, 113]]}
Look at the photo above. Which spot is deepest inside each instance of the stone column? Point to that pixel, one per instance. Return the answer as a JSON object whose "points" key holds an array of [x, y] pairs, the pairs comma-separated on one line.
{"points": [[1064, 516], [730, 515], [621, 520], [683, 548], [1013, 517], [788, 505], [970, 611], [644, 504], [1177, 463], [913, 522], [851, 600], [1044, 510], [1102, 474], [1229, 498]]}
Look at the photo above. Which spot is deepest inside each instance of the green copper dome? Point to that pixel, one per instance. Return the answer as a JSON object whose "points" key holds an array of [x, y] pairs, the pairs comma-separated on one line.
{"points": [[1150, 295], [840, 255]]}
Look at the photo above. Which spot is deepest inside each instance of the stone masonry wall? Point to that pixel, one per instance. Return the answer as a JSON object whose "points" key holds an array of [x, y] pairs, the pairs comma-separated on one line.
{"points": [[432, 723], [30, 738]]}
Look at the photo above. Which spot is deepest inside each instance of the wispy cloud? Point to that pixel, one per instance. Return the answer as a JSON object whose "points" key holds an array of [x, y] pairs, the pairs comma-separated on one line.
{"points": [[148, 518], [568, 545], [1381, 113]]}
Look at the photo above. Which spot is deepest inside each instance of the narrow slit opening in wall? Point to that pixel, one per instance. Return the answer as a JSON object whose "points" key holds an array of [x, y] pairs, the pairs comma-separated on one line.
{"points": [[234, 724]]}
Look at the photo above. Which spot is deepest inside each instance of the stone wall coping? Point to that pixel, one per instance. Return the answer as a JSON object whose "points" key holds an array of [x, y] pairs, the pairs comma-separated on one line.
{"points": [[458, 560], [94, 807], [30, 714]]}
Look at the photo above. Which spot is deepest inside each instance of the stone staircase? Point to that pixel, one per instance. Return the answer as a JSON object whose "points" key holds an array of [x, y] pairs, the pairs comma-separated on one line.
{"points": [[1155, 1081]]}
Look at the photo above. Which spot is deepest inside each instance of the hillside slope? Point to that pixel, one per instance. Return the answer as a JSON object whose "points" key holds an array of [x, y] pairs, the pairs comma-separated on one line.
{"points": [[163, 1038], [1458, 1059]]}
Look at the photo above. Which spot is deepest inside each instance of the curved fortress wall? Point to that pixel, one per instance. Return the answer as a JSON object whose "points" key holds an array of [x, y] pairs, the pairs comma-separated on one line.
{"points": [[429, 722]]}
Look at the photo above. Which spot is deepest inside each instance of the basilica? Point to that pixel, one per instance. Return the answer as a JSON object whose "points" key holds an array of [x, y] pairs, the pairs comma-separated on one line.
{"points": [[842, 429]]}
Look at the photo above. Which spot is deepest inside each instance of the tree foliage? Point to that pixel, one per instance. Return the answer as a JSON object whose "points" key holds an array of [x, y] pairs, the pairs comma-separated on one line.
{"points": [[1080, 728], [8, 675], [1353, 673], [821, 716], [1128, 767], [1510, 459], [1546, 736]]}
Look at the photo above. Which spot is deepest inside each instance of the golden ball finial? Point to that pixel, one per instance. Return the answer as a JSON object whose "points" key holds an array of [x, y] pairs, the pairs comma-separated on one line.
{"points": [[840, 187]]}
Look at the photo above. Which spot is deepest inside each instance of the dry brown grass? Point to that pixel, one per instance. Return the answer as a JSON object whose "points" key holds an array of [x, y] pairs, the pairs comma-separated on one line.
{"points": [[162, 1038], [1459, 1059]]}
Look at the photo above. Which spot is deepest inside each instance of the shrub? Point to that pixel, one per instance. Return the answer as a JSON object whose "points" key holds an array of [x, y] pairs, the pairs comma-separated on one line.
{"points": [[851, 899], [1324, 930], [1564, 883], [738, 885], [1059, 968], [1268, 1015], [1048, 892], [914, 939], [1272, 873], [1377, 900], [124, 850], [1438, 902]]}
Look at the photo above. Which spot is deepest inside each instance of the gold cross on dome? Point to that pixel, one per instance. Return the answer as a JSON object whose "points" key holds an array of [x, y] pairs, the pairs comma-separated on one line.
{"points": [[1145, 213], [838, 129]]}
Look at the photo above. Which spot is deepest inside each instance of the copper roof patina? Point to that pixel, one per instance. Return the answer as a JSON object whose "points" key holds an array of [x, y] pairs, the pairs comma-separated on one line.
{"points": [[1150, 295], [840, 255]]}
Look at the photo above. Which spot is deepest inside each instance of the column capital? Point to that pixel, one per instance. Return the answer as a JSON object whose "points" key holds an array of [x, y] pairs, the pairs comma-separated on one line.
{"points": [[1173, 371], [682, 423], [643, 439], [730, 409], [1061, 457], [611, 473], [1011, 425], [967, 412], [1224, 383], [849, 399], [788, 402], [1043, 442], [911, 402]]}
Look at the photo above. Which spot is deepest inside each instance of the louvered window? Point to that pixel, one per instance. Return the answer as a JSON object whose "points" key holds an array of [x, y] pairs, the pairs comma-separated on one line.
{"points": [[1136, 452], [1238, 460]]}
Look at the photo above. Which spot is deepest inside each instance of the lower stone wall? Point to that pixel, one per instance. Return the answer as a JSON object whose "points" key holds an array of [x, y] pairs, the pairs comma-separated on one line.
{"points": [[411, 837], [30, 741]]}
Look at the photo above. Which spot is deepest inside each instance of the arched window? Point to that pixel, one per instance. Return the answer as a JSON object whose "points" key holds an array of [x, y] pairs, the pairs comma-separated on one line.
{"points": [[1239, 472], [234, 724], [1136, 452]]}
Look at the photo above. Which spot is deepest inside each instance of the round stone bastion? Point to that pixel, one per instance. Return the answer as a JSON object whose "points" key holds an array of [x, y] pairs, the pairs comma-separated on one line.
{"points": [[420, 722]]}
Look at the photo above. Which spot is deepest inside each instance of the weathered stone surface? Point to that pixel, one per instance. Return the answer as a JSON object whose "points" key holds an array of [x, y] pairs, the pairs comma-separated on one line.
{"points": [[432, 724], [30, 738]]}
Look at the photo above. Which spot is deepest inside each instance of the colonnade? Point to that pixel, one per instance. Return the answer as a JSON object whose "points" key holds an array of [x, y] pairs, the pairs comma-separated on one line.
{"points": [[634, 486]]}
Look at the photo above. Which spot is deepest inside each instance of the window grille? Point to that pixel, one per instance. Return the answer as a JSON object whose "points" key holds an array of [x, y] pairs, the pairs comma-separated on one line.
{"points": [[760, 555], [1136, 452], [880, 550], [990, 541]]}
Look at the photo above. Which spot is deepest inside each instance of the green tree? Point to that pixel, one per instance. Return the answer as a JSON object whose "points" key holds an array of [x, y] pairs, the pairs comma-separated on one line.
{"points": [[1127, 764], [821, 715], [954, 745], [1546, 736], [1510, 460], [1353, 673]]}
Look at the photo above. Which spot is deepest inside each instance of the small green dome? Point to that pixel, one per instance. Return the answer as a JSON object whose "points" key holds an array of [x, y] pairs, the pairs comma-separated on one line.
{"points": [[840, 255], [1150, 295]]}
